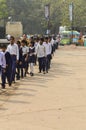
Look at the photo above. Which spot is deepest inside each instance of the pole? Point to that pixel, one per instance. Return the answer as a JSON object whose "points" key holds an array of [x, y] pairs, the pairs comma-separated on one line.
{"points": [[47, 16], [72, 22], [4, 27], [71, 19], [48, 26]]}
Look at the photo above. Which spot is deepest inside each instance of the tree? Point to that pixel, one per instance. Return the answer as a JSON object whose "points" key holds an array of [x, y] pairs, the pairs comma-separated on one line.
{"points": [[31, 14]]}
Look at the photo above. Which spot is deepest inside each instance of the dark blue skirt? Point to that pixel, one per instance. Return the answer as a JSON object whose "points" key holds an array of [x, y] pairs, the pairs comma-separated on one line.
{"points": [[31, 59]]}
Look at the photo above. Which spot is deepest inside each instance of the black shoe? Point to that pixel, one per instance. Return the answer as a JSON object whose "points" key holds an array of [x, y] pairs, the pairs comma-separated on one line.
{"points": [[10, 84], [31, 74], [3, 86]]}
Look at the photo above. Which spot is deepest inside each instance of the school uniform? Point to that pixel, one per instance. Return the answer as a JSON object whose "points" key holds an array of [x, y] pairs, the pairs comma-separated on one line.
{"points": [[31, 59], [19, 65], [53, 49], [14, 52], [41, 54], [48, 53], [2, 68], [31, 55], [35, 45], [8, 67], [25, 51]]}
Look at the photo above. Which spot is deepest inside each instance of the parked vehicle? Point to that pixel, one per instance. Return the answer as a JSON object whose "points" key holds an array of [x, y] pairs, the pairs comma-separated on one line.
{"points": [[68, 37]]}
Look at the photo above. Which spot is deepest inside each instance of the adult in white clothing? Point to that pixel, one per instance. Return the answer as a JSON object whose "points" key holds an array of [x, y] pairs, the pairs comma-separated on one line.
{"points": [[14, 52]]}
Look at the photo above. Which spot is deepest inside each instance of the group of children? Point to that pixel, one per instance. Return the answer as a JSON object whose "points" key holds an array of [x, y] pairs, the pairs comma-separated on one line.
{"points": [[19, 58]]}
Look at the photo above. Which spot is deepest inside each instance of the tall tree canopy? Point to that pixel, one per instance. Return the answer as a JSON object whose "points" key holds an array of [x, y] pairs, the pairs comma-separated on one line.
{"points": [[31, 13]]}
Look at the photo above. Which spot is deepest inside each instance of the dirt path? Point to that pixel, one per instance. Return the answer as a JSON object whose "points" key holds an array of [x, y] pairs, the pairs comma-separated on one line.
{"points": [[55, 101]]}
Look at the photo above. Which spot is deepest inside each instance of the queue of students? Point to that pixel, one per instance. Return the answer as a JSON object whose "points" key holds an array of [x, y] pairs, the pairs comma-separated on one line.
{"points": [[19, 58]]}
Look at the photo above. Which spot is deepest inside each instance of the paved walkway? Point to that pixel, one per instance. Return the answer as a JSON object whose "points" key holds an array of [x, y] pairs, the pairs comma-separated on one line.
{"points": [[55, 101]]}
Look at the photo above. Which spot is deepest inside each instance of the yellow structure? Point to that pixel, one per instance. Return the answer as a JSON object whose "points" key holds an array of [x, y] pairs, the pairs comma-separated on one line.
{"points": [[14, 28]]}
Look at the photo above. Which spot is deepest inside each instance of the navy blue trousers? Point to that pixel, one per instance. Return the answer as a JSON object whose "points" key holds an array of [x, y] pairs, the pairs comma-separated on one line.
{"points": [[13, 67], [3, 75], [42, 64], [48, 62]]}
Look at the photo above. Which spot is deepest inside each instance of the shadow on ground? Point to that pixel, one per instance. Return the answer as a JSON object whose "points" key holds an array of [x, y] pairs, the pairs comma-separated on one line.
{"points": [[22, 87]]}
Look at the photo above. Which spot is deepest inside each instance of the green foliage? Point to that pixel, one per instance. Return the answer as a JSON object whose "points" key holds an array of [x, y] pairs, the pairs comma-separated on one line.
{"points": [[31, 13], [3, 9]]}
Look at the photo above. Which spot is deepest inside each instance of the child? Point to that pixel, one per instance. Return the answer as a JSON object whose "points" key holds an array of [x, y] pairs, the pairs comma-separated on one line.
{"points": [[24, 58], [2, 68], [8, 69], [31, 58]]}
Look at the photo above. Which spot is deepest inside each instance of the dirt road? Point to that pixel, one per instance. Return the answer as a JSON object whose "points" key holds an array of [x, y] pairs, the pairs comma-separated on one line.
{"points": [[55, 101]]}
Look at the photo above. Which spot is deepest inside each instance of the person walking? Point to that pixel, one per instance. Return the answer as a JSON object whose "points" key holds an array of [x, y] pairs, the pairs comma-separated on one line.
{"points": [[48, 53], [41, 55], [19, 64], [2, 68], [14, 52], [8, 69], [24, 61], [25, 38], [31, 57], [36, 40]]}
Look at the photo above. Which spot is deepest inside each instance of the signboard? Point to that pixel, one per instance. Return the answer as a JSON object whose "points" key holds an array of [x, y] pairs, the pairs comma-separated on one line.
{"points": [[14, 28], [47, 11], [71, 11]]}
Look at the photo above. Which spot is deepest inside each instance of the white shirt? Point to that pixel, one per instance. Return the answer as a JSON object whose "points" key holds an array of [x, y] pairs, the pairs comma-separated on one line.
{"points": [[52, 41], [2, 60], [25, 50], [50, 48], [36, 44], [40, 51], [13, 50], [47, 47]]}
